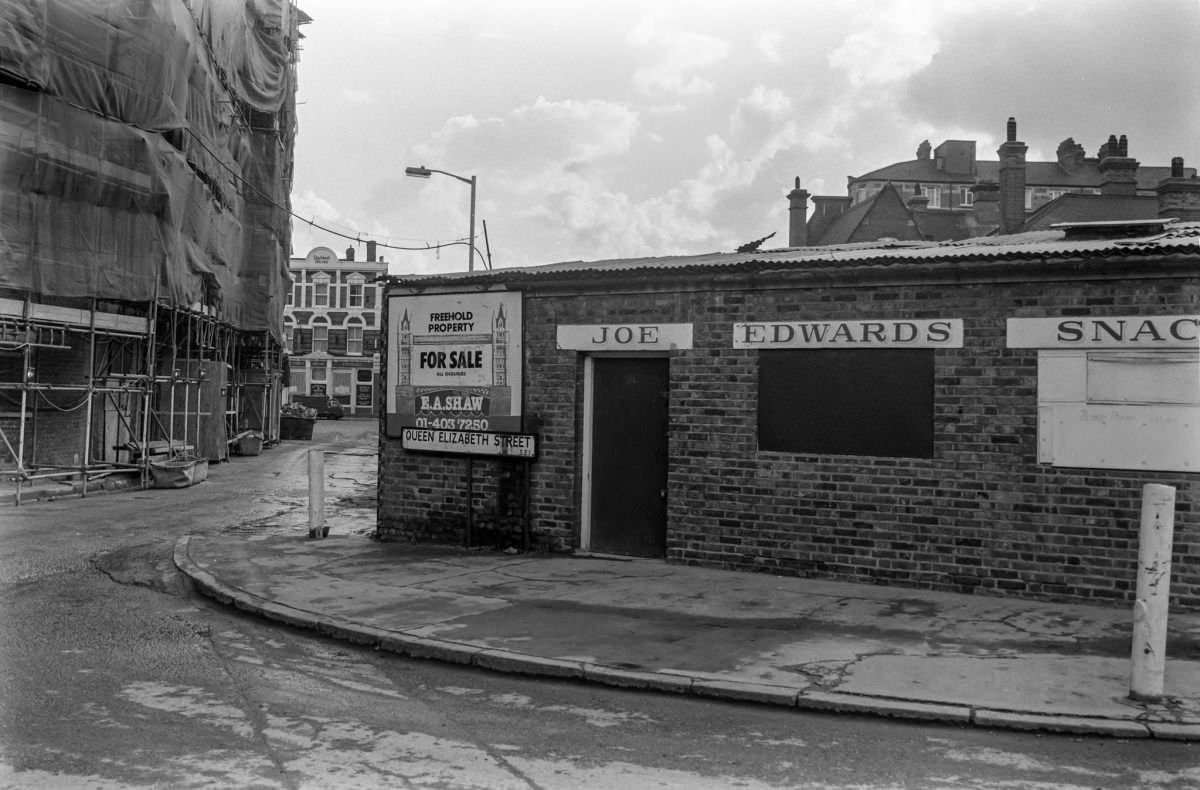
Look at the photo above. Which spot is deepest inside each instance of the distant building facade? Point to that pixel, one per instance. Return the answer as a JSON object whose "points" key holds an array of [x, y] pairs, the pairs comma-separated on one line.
{"points": [[947, 193], [331, 326]]}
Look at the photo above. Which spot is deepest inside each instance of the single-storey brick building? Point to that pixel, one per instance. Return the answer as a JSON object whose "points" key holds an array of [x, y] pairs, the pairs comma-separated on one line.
{"points": [[977, 416]]}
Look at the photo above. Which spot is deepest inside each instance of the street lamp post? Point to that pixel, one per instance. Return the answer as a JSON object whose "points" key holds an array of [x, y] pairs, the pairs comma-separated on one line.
{"points": [[426, 172]]}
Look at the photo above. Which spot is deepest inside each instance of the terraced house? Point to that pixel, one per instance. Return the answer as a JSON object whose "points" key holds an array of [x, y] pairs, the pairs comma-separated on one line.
{"points": [[331, 327]]}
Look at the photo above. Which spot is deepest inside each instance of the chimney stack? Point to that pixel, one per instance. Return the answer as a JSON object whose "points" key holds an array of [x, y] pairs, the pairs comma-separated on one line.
{"points": [[1012, 180], [798, 216], [1118, 171], [349, 253], [1179, 196], [371, 251], [987, 204]]}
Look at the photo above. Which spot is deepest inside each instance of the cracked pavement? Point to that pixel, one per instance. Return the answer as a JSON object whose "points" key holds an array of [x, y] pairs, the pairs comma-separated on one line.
{"points": [[779, 635]]}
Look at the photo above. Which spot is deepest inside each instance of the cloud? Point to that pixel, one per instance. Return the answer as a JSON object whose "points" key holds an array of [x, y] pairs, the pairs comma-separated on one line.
{"points": [[677, 54], [538, 141], [648, 128], [896, 41], [1097, 81], [307, 205], [769, 44], [357, 96]]}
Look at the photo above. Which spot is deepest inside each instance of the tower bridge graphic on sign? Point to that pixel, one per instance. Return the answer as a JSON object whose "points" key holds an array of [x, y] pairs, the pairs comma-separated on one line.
{"points": [[453, 369]]}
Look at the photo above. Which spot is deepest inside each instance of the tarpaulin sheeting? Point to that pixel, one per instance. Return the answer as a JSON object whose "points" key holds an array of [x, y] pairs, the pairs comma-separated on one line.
{"points": [[143, 150]]}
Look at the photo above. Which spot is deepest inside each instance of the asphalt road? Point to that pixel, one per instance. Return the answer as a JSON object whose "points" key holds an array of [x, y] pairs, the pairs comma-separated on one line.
{"points": [[114, 675]]}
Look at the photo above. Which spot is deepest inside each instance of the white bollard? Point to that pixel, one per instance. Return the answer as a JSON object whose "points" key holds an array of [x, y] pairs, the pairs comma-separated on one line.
{"points": [[316, 494], [1149, 648]]}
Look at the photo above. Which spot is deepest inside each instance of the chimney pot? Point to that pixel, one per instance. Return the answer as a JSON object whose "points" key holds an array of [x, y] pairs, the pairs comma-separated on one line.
{"points": [[1178, 195], [1012, 181], [798, 216]]}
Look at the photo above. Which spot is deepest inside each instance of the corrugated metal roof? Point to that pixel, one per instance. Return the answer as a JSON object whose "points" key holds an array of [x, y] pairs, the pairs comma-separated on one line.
{"points": [[1163, 237]]}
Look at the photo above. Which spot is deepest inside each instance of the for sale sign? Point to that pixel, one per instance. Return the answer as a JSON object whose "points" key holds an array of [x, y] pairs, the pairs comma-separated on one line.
{"points": [[454, 362]]}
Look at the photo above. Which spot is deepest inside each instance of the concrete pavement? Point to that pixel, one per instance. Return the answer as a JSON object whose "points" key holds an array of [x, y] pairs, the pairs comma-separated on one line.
{"points": [[645, 624]]}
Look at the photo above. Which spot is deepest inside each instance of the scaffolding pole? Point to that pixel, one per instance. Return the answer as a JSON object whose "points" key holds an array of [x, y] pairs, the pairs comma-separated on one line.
{"points": [[120, 377]]}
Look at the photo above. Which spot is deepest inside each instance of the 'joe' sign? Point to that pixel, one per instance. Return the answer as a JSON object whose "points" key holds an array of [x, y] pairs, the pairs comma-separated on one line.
{"points": [[624, 337]]}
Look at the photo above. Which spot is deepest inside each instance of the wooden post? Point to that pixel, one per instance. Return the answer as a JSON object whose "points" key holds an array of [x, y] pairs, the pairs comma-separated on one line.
{"points": [[1148, 652]]}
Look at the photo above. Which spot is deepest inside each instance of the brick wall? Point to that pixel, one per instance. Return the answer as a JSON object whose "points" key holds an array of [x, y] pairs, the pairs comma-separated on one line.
{"points": [[981, 515]]}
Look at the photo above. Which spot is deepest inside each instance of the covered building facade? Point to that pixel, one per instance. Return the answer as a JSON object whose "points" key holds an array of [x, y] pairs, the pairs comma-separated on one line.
{"points": [[973, 416], [146, 150]]}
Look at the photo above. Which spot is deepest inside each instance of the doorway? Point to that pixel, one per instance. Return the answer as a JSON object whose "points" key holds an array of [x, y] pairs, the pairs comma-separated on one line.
{"points": [[625, 448]]}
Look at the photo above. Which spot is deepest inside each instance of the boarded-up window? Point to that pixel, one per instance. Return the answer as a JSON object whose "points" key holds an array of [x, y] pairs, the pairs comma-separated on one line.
{"points": [[1119, 409], [847, 402]]}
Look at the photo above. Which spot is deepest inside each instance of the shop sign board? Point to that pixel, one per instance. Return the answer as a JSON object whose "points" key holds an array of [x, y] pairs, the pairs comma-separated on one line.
{"points": [[454, 362], [487, 443], [904, 333], [1129, 332], [624, 337]]}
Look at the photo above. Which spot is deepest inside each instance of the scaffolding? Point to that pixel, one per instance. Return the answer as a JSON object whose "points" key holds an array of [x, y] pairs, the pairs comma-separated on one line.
{"points": [[89, 392]]}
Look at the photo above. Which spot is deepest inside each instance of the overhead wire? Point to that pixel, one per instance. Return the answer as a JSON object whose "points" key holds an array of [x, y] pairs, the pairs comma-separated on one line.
{"points": [[311, 222]]}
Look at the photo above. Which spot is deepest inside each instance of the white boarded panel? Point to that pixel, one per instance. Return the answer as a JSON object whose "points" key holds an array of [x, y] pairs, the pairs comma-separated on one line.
{"points": [[1161, 438], [1143, 378], [1062, 376]]}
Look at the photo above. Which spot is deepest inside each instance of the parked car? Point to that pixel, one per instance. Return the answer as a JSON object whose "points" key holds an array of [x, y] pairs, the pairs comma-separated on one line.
{"points": [[327, 406]]}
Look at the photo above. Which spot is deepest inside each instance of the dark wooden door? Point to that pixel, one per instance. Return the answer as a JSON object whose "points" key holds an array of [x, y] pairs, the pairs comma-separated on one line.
{"points": [[629, 456]]}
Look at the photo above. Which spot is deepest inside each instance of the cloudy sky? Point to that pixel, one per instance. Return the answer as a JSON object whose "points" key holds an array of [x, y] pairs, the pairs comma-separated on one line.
{"points": [[655, 127]]}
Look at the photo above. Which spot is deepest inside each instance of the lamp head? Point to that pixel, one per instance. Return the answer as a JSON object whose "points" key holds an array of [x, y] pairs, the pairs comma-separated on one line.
{"points": [[418, 172]]}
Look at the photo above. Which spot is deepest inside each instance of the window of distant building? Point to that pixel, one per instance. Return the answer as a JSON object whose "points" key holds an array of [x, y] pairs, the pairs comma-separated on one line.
{"points": [[321, 290], [355, 283], [288, 329], [1028, 198], [966, 197], [320, 343], [354, 338], [935, 195]]}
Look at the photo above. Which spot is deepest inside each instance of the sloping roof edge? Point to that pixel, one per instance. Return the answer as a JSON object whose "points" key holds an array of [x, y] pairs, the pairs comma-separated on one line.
{"points": [[1068, 242]]}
